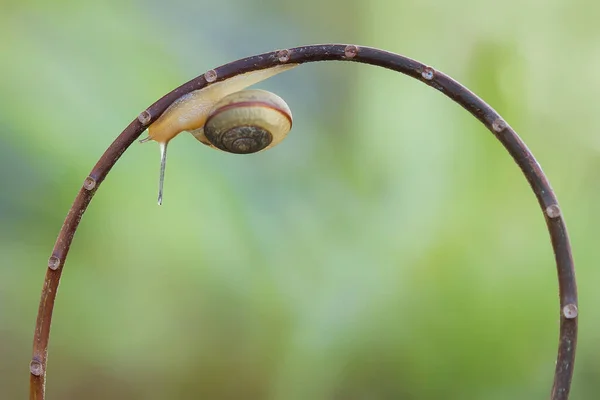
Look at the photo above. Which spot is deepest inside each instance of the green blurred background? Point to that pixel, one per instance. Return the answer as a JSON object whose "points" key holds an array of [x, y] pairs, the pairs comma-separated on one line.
{"points": [[389, 248]]}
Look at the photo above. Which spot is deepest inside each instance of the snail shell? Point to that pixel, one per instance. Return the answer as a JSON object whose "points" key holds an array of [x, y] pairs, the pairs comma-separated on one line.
{"points": [[248, 121]]}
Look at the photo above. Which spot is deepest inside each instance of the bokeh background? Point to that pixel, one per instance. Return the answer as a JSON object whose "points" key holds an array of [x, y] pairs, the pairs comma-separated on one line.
{"points": [[389, 248]]}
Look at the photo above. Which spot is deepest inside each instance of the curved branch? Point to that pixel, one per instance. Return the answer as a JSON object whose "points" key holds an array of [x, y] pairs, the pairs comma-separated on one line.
{"points": [[330, 52]]}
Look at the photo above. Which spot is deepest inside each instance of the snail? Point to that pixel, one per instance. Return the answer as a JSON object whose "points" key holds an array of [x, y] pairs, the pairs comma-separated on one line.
{"points": [[226, 116]]}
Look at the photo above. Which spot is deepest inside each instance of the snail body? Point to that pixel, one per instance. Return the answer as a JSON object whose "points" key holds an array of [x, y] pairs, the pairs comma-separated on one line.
{"points": [[226, 117]]}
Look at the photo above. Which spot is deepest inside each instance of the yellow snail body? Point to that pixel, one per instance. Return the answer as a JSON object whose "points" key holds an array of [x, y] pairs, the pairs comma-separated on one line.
{"points": [[226, 117]]}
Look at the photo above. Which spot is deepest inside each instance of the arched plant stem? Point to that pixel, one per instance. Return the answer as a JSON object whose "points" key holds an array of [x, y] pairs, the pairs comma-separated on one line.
{"points": [[330, 52]]}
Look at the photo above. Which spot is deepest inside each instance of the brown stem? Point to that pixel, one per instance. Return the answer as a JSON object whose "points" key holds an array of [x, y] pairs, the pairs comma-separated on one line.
{"points": [[331, 52]]}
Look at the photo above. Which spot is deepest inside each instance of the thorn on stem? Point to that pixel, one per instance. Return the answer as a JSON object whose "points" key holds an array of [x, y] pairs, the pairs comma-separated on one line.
{"points": [[351, 51], [498, 125], [283, 55], [89, 183], [428, 73], [54, 263], [553, 211], [210, 76], [35, 367], [144, 117], [570, 311]]}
